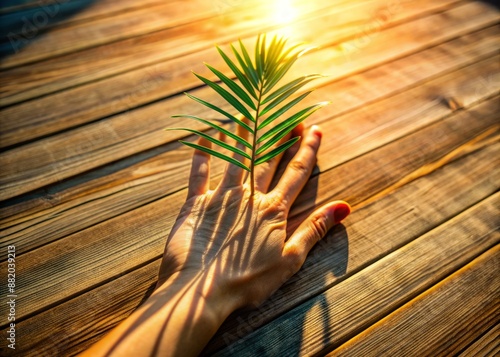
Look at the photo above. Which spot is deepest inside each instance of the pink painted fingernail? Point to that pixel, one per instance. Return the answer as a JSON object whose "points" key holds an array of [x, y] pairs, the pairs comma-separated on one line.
{"points": [[342, 210]]}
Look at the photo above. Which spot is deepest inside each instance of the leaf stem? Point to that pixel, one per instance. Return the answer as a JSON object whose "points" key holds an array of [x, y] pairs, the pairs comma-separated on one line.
{"points": [[254, 144]]}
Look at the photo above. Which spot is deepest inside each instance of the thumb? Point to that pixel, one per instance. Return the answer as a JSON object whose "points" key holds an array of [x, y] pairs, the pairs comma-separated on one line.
{"points": [[313, 229]]}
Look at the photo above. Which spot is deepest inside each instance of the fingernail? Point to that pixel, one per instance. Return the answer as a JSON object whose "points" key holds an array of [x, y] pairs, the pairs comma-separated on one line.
{"points": [[342, 210], [315, 130]]}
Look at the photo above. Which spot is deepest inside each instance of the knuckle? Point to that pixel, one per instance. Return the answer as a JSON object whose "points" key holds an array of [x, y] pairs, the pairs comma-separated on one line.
{"points": [[295, 257], [319, 226], [299, 166], [277, 203], [313, 143]]}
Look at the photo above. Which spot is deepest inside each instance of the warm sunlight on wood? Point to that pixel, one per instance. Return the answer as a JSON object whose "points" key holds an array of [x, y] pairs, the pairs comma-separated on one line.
{"points": [[285, 12], [92, 186]]}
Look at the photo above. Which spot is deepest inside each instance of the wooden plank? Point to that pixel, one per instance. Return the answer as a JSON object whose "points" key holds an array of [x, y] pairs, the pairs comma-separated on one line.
{"points": [[73, 325], [59, 157], [33, 119], [46, 77], [15, 5], [156, 178], [328, 263], [67, 12], [152, 22], [49, 275], [356, 91], [378, 123], [468, 299], [486, 345], [18, 5], [360, 301], [83, 24]]}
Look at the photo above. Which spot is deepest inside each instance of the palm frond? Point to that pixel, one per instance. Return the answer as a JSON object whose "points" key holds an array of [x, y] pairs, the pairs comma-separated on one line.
{"points": [[253, 94]]}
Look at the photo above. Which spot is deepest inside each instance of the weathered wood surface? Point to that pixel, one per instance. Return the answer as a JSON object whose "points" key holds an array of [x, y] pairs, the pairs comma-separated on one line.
{"points": [[110, 248], [347, 14], [149, 82], [441, 321], [486, 345], [407, 226], [135, 22], [91, 184], [97, 144], [62, 12], [360, 301], [397, 121]]}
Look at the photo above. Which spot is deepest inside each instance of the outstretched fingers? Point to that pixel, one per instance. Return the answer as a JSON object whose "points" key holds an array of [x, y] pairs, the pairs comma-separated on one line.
{"points": [[199, 178], [264, 173], [233, 175], [313, 229], [299, 169]]}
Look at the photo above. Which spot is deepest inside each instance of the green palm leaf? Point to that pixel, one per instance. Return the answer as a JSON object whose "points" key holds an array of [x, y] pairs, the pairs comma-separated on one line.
{"points": [[218, 128], [234, 87], [216, 154], [293, 121], [227, 96], [282, 110], [215, 141], [244, 80], [276, 151], [254, 97]]}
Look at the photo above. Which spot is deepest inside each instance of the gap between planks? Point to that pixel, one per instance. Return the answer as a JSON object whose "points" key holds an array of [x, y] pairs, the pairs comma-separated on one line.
{"points": [[348, 93], [156, 82], [394, 114], [141, 232], [485, 345], [70, 323], [442, 320], [58, 159]]}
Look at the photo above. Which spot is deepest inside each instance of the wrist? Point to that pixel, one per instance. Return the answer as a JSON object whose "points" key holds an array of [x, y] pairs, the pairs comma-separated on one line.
{"points": [[214, 301]]}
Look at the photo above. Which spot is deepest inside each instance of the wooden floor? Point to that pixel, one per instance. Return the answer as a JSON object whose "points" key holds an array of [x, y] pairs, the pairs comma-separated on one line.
{"points": [[90, 183]]}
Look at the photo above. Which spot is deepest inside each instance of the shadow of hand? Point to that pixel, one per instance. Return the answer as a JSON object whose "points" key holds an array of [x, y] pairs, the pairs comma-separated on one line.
{"points": [[236, 245], [229, 248]]}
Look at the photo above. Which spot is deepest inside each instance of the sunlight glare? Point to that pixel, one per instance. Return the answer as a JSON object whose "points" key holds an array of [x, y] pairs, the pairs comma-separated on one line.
{"points": [[284, 12]]}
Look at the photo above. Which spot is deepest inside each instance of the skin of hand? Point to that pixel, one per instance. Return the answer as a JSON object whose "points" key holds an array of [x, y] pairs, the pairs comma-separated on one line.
{"points": [[226, 250]]}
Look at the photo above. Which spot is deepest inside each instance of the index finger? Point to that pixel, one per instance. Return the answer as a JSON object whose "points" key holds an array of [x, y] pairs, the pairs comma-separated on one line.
{"points": [[299, 169]]}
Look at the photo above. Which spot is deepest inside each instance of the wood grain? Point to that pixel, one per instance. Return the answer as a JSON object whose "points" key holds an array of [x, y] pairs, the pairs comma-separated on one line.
{"points": [[356, 132], [71, 11], [49, 274], [159, 20], [47, 77], [469, 298], [365, 298], [19, 5], [161, 172], [396, 225], [62, 156], [486, 345], [91, 185], [69, 325], [150, 83]]}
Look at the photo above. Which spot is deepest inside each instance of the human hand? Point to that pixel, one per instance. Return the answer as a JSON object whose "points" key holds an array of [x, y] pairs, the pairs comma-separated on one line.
{"points": [[228, 244], [226, 250]]}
